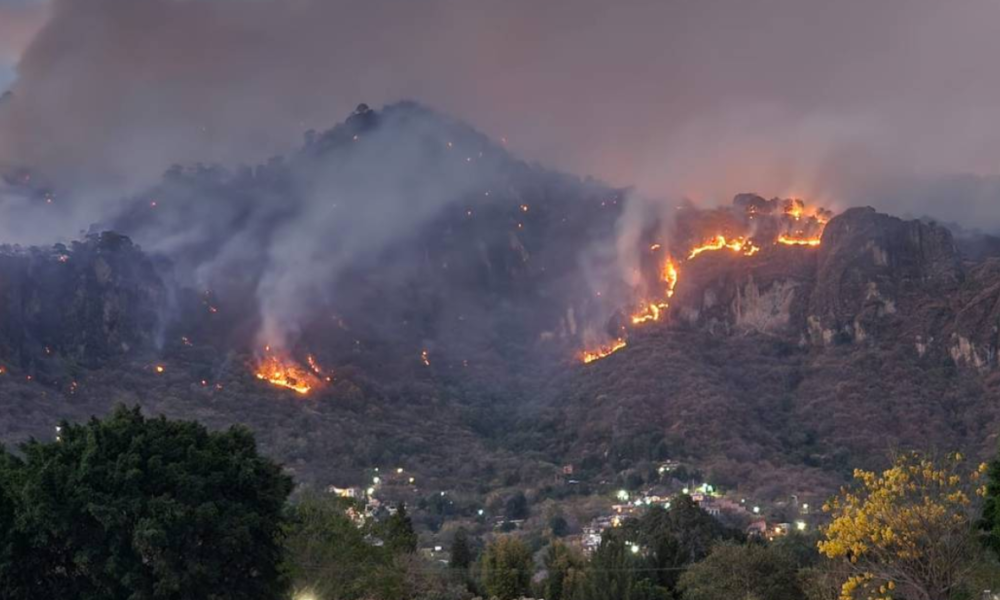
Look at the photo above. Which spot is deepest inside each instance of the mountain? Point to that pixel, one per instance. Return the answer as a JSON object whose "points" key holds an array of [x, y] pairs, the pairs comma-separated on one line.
{"points": [[784, 370], [434, 324], [402, 292]]}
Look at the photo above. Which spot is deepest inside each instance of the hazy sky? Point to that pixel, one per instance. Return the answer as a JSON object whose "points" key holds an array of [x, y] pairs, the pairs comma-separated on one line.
{"points": [[851, 101]]}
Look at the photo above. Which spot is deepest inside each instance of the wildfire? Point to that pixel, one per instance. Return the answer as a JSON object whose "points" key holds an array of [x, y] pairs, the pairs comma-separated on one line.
{"points": [[651, 311], [786, 222], [284, 372], [796, 241], [589, 356], [719, 242]]}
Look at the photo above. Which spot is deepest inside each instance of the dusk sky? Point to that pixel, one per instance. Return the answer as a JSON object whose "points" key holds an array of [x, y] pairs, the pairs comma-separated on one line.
{"points": [[847, 102]]}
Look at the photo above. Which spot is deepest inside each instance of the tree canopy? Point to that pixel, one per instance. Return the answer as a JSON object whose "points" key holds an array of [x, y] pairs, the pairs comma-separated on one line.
{"points": [[507, 568], [143, 509], [908, 528]]}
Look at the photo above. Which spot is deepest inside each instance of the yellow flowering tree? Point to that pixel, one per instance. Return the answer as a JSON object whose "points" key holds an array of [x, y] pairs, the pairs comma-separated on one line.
{"points": [[908, 531]]}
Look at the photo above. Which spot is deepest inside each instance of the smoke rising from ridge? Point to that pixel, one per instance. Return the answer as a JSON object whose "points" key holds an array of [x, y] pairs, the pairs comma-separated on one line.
{"points": [[886, 103], [701, 99]]}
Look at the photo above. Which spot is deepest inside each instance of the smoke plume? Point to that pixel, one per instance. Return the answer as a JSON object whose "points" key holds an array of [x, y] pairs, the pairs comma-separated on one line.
{"points": [[888, 103], [846, 102]]}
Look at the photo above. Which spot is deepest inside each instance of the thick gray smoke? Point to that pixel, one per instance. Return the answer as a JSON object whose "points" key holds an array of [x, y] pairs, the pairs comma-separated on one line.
{"points": [[846, 102], [891, 103]]}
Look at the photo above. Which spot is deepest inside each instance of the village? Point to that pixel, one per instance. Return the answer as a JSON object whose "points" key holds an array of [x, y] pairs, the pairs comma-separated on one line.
{"points": [[607, 509]]}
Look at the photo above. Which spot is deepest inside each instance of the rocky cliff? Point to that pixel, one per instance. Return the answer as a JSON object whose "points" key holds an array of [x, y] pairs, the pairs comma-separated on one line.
{"points": [[77, 305]]}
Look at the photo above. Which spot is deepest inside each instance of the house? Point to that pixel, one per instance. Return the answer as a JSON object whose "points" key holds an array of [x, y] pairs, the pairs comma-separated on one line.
{"points": [[757, 529], [349, 492]]}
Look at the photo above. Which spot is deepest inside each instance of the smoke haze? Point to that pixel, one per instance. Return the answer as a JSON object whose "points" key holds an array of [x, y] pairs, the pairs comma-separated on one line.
{"points": [[889, 103], [700, 99]]}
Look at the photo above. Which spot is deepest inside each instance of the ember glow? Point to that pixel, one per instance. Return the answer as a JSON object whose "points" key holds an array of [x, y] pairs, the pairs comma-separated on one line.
{"points": [[720, 242], [788, 240], [589, 356], [762, 223], [285, 372], [652, 311]]}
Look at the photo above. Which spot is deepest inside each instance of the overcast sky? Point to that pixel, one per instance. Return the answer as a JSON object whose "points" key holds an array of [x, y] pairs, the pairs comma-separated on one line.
{"points": [[851, 101]]}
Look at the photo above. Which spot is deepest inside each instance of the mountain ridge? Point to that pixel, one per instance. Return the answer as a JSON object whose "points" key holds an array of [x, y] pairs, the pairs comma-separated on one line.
{"points": [[451, 345]]}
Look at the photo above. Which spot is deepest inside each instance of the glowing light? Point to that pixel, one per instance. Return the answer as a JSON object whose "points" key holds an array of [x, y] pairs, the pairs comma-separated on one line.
{"points": [[283, 372], [795, 241], [160, 368], [652, 311], [425, 358], [314, 365], [589, 356], [800, 525], [719, 242]]}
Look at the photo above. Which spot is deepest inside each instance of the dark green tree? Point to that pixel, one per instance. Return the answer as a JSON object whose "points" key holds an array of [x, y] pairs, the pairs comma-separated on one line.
{"points": [[516, 507], [507, 568], [742, 571], [565, 568], [558, 525], [461, 550], [331, 556], [989, 523], [142, 509], [398, 534], [617, 571]]}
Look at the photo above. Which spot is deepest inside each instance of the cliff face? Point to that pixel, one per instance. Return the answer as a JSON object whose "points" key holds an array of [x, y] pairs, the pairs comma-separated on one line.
{"points": [[874, 277], [86, 303], [782, 370]]}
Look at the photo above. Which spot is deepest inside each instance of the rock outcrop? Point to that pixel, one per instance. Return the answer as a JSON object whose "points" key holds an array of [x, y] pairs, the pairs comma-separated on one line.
{"points": [[86, 303]]}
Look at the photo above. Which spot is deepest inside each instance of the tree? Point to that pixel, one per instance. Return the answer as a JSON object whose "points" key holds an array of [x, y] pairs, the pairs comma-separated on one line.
{"points": [[507, 568], [907, 530], [516, 507], [129, 507], [398, 534], [331, 556], [739, 572], [617, 571], [565, 568], [990, 521], [461, 550], [672, 539], [558, 525]]}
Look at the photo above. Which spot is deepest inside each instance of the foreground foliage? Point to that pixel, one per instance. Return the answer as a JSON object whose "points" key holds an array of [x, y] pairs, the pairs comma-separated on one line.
{"points": [[907, 531], [143, 509]]}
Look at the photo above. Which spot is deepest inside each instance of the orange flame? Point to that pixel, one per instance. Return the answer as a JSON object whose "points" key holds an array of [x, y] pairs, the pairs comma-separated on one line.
{"points": [[803, 227], [796, 241], [589, 356], [283, 372], [739, 245], [651, 311]]}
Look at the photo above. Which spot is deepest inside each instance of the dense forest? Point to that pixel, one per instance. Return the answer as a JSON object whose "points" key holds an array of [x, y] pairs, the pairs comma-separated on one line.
{"points": [[136, 507]]}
